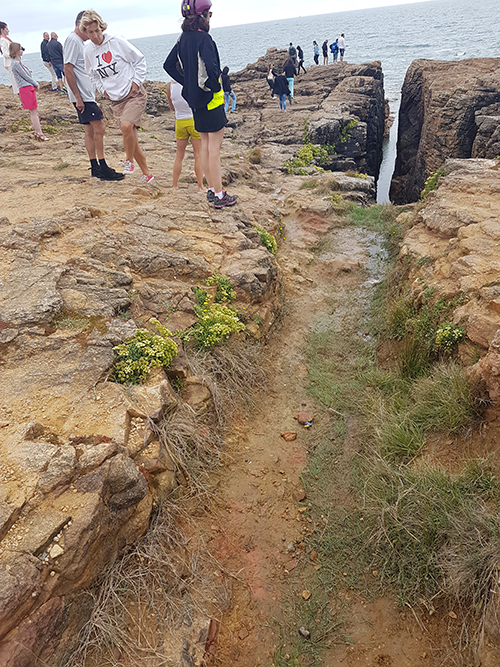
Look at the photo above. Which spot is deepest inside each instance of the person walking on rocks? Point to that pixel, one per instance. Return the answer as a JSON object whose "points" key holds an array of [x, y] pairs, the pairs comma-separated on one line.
{"points": [[194, 63], [334, 48], [281, 89], [26, 85], [289, 72], [82, 96], [184, 131], [5, 42], [44, 50], [55, 51], [270, 77], [325, 52], [341, 42], [118, 70], [228, 92], [301, 60], [292, 52], [316, 52]]}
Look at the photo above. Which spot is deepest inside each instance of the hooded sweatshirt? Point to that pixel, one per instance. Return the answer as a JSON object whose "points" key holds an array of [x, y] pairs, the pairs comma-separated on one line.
{"points": [[114, 65]]}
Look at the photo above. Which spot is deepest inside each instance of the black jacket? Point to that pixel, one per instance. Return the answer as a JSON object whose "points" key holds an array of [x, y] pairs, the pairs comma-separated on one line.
{"points": [[55, 50], [226, 82], [301, 53], [289, 71], [280, 86], [184, 65], [44, 49]]}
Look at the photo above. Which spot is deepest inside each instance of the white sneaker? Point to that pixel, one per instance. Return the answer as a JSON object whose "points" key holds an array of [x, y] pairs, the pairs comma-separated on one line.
{"points": [[128, 167]]}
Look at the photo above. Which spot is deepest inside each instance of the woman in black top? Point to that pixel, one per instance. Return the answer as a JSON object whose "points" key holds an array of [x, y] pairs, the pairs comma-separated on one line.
{"points": [[281, 89], [194, 62], [301, 60], [325, 52]]}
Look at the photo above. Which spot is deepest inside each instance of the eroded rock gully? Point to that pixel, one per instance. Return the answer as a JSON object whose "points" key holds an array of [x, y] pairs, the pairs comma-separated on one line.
{"points": [[80, 465], [83, 263]]}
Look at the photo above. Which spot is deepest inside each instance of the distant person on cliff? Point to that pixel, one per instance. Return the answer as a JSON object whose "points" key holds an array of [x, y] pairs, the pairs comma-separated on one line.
{"points": [[334, 48], [44, 50], [289, 72], [292, 52], [301, 60], [184, 131], [325, 52], [55, 51], [270, 77], [341, 42], [316, 52], [26, 85], [118, 70], [82, 96], [194, 62], [228, 91], [5, 42], [281, 89]]}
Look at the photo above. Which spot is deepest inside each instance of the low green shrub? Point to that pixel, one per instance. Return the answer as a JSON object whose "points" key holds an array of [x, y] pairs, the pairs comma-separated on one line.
{"points": [[225, 291], [448, 335], [143, 351], [432, 182], [268, 240], [216, 323]]}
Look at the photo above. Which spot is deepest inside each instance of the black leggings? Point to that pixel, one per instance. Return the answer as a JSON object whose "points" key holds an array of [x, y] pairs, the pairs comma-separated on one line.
{"points": [[301, 64], [316, 59]]}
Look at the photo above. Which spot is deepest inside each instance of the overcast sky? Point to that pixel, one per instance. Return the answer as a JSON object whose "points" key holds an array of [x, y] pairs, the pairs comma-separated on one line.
{"points": [[29, 19]]}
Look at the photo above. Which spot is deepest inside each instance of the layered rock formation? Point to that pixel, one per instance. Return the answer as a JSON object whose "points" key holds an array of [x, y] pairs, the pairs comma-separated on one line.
{"points": [[448, 110], [83, 263], [454, 243], [341, 105]]}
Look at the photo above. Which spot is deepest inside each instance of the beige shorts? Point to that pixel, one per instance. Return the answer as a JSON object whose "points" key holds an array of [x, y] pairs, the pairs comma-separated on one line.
{"points": [[130, 108]]}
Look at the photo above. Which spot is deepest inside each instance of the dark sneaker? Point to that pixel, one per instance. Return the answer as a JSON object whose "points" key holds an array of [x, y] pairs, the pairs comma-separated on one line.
{"points": [[210, 196], [226, 200], [108, 174]]}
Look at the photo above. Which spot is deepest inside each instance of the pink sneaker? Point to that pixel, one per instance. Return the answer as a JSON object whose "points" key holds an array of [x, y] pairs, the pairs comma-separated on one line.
{"points": [[128, 167], [147, 178]]}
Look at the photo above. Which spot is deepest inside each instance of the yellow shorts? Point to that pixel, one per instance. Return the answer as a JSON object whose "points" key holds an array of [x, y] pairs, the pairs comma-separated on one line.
{"points": [[184, 128]]}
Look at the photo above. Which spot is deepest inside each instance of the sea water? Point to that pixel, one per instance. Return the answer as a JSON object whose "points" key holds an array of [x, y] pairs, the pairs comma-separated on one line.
{"points": [[396, 35]]}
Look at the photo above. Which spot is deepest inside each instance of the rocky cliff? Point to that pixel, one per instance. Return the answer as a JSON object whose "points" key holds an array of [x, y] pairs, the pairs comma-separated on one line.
{"points": [[83, 263], [453, 248], [340, 105], [448, 110]]}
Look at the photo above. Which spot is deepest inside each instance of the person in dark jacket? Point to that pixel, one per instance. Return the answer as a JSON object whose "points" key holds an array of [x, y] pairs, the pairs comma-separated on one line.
{"points": [[334, 48], [55, 50], [44, 50], [289, 72], [194, 62], [292, 52], [228, 92], [281, 89], [324, 47], [300, 53]]}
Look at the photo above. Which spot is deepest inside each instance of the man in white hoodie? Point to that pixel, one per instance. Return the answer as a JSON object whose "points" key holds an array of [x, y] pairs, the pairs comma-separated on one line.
{"points": [[82, 96], [118, 70]]}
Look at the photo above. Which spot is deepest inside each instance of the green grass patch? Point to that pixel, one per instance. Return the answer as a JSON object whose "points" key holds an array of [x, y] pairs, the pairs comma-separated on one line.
{"points": [[432, 182]]}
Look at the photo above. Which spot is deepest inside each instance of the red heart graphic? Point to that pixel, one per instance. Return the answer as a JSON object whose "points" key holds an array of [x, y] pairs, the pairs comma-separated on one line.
{"points": [[107, 57]]}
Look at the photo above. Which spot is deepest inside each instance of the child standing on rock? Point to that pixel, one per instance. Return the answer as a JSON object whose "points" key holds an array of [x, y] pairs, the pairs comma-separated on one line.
{"points": [[27, 86], [194, 62]]}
